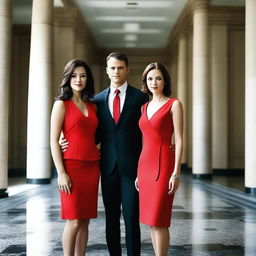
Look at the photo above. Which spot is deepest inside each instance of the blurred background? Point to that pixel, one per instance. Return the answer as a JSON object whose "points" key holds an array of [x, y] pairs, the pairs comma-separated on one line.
{"points": [[201, 42]]}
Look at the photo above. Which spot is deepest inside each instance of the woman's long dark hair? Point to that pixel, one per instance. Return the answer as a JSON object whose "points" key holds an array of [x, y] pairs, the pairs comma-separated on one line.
{"points": [[167, 80], [65, 87]]}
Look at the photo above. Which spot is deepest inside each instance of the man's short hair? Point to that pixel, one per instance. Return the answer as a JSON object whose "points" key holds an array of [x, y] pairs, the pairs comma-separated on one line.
{"points": [[118, 56]]}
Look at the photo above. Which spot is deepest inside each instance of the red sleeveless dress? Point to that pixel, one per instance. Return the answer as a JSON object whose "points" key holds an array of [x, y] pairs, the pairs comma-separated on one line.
{"points": [[155, 167], [81, 162]]}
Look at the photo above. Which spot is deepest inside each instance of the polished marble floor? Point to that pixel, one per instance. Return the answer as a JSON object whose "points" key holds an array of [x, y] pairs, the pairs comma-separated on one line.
{"points": [[208, 220]]}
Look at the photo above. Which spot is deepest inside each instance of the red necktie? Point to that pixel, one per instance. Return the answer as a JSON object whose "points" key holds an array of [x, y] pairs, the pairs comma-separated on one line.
{"points": [[116, 106]]}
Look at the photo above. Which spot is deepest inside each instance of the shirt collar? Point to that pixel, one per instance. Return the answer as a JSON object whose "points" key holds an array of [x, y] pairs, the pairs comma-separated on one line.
{"points": [[121, 88]]}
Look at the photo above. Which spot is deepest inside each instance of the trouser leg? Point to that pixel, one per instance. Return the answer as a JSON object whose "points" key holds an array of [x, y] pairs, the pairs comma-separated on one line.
{"points": [[130, 208], [111, 193]]}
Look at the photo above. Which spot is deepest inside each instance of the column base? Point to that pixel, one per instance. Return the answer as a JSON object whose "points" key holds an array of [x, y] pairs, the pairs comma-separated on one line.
{"points": [[202, 176], [189, 169], [184, 167], [3, 193], [251, 191], [38, 181], [228, 172]]}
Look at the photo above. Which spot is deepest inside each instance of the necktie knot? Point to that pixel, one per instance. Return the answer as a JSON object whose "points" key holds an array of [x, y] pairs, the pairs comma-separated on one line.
{"points": [[117, 91]]}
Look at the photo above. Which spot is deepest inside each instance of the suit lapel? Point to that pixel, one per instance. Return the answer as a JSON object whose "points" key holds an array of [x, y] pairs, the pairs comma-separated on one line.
{"points": [[106, 104]]}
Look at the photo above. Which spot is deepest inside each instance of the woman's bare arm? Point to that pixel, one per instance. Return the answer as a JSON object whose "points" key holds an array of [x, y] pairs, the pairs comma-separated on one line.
{"points": [[57, 119]]}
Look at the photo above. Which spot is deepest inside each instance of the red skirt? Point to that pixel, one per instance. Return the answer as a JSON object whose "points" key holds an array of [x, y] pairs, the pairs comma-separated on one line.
{"points": [[83, 201], [155, 202]]}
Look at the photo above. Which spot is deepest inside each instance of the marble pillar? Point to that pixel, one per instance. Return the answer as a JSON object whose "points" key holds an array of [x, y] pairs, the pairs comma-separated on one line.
{"points": [[201, 92], [219, 99], [39, 96], [182, 87], [250, 93], [5, 59]]}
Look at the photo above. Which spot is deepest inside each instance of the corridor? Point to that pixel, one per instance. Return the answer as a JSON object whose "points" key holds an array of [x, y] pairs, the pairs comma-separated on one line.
{"points": [[207, 46], [208, 220]]}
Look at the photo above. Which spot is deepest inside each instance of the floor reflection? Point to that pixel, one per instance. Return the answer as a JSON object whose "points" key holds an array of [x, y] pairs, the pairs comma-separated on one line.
{"points": [[249, 232], [203, 224], [38, 226]]}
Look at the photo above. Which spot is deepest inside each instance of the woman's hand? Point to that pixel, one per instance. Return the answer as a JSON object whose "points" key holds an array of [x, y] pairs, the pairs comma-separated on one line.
{"points": [[64, 183], [63, 144], [136, 184], [174, 183]]}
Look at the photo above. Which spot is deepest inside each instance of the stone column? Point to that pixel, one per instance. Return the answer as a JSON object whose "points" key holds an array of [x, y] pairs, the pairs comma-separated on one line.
{"points": [[96, 71], [80, 48], [219, 82], [39, 96], [182, 87], [81, 42], [64, 42], [250, 102], [189, 99], [5, 59], [201, 92]]}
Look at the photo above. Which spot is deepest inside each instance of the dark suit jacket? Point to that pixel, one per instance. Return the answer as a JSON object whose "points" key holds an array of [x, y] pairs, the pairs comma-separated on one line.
{"points": [[120, 143]]}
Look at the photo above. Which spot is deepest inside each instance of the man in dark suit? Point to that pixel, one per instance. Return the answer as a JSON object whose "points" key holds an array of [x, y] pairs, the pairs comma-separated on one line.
{"points": [[121, 140], [121, 143]]}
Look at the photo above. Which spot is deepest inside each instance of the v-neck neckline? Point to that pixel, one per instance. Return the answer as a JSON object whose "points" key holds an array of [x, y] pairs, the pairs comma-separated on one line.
{"points": [[146, 110], [80, 110]]}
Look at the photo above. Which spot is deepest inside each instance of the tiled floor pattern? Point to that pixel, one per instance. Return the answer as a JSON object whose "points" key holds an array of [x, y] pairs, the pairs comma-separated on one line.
{"points": [[203, 224]]}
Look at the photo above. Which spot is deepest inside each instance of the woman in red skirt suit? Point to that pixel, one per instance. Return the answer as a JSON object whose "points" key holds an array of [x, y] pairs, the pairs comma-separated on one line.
{"points": [[74, 114], [161, 122]]}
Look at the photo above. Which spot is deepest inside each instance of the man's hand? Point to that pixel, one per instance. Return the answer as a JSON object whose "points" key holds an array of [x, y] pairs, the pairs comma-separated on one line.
{"points": [[63, 144]]}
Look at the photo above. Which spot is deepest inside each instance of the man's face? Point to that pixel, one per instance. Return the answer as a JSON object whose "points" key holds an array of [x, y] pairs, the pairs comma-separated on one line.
{"points": [[117, 71]]}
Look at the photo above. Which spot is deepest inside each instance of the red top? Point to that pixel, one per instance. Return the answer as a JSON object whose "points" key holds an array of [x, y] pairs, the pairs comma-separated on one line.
{"points": [[79, 131], [157, 134]]}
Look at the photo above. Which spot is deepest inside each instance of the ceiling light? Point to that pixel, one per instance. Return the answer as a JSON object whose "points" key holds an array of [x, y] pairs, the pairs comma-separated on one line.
{"points": [[131, 5], [130, 37], [131, 27], [120, 31], [132, 18], [123, 4]]}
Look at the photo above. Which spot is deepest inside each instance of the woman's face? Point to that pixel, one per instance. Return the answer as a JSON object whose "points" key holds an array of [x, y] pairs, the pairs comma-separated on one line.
{"points": [[155, 81], [78, 79]]}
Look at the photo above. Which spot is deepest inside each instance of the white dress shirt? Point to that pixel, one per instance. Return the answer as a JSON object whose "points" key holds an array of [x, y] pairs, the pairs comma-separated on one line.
{"points": [[112, 94]]}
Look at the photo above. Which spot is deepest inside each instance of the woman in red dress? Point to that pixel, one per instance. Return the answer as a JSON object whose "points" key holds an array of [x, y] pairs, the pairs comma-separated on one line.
{"points": [[74, 114], [161, 123]]}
